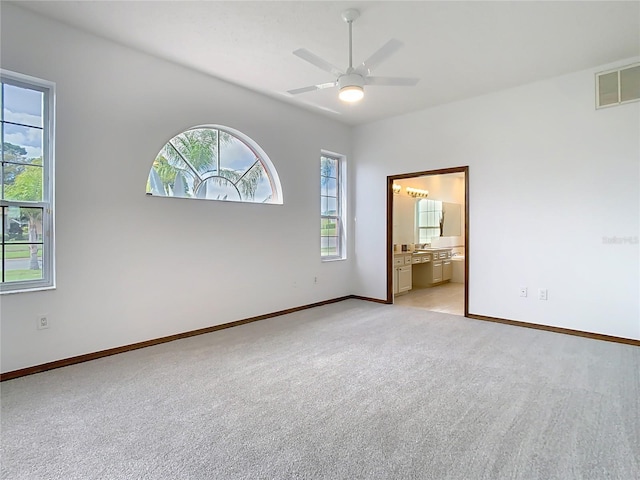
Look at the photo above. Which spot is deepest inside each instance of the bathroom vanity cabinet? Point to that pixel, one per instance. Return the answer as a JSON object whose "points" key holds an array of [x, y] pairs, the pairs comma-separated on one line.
{"points": [[421, 269], [438, 270], [447, 270], [402, 273]]}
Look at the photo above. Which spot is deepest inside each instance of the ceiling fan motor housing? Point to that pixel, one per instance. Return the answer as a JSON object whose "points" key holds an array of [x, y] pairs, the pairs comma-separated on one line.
{"points": [[350, 80]]}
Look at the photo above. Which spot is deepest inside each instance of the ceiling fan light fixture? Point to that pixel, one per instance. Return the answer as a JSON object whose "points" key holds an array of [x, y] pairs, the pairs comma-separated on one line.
{"points": [[351, 87], [351, 93]]}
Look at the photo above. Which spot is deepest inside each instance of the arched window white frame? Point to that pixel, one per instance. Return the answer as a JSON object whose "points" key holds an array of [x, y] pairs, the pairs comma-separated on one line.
{"points": [[213, 162]]}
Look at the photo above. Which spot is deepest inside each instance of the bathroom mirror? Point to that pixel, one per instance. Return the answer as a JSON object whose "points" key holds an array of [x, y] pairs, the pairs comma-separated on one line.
{"points": [[437, 219], [452, 225]]}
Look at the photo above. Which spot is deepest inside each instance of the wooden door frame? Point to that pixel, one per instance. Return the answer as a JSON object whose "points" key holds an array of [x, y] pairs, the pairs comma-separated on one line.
{"points": [[443, 171]]}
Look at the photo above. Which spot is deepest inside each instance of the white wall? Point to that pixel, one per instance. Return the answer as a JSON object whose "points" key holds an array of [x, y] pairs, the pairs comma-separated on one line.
{"points": [[549, 177], [131, 267]]}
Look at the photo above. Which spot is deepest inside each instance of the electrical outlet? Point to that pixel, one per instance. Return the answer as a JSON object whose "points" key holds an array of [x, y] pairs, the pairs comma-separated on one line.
{"points": [[42, 322], [523, 291], [542, 294], [315, 279]]}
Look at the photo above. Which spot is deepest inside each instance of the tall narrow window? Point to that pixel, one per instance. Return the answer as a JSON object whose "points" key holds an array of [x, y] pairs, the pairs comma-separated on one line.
{"points": [[331, 207], [429, 219], [26, 186]]}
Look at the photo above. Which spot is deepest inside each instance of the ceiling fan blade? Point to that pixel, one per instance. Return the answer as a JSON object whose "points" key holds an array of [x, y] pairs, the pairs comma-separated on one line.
{"points": [[394, 81], [313, 59], [384, 52], [311, 88]]}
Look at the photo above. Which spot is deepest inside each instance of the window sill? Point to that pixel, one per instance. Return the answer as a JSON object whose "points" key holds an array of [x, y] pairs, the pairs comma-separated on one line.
{"points": [[332, 259], [28, 290]]}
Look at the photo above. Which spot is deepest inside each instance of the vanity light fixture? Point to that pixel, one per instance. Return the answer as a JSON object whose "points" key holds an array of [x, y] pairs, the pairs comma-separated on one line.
{"points": [[396, 188], [418, 193]]}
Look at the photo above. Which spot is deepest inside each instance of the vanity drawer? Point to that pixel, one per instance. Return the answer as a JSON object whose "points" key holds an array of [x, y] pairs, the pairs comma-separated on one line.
{"points": [[444, 255], [401, 260], [416, 259], [426, 258]]}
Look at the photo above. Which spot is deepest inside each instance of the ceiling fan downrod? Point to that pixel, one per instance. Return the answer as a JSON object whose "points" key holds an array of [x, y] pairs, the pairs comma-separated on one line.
{"points": [[349, 16]]}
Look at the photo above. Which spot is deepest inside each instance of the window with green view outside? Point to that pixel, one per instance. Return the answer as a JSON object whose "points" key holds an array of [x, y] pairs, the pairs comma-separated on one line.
{"points": [[429, 219], [214, 163], [331, 199], [26, 187]]}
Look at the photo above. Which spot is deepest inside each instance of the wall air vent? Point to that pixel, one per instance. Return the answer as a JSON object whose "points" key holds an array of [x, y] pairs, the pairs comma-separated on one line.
{"points": [[615, 87]]}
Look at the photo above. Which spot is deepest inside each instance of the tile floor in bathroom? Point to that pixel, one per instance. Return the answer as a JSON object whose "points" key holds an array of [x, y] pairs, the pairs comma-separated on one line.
{"points": [[446, 298]]}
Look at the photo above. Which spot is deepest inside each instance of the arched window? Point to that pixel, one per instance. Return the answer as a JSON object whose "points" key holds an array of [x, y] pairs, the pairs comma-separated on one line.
{"points": [[214, 163]]}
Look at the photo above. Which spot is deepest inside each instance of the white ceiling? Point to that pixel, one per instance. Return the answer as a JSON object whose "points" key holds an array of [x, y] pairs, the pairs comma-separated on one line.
{"points": [[457, 49]]}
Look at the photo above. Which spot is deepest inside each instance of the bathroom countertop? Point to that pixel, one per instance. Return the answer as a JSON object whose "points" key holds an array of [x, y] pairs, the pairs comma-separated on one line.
{"points": [[433, 249], [422, 251]]}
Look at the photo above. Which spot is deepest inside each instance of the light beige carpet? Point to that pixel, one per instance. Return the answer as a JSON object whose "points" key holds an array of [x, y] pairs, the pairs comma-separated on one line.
{"points": [[352, 390]]}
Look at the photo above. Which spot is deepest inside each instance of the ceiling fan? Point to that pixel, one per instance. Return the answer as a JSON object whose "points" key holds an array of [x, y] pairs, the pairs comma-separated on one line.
{"points": [[352, 81]]}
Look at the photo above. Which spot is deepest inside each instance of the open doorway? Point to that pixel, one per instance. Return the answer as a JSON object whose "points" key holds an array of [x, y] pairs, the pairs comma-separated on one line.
{"points": [[428, 240]]}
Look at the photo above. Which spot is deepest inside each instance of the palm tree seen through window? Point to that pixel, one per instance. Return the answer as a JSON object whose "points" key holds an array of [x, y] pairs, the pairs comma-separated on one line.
{"points": [[213, 163]]}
